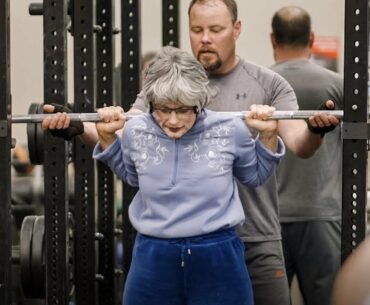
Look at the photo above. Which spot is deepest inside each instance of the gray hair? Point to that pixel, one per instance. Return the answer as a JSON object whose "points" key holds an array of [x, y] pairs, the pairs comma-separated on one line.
{"points": [[176, 76]]}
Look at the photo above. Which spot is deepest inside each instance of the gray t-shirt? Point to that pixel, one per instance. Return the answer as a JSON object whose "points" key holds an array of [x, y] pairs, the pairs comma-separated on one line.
{"points": [[311, 189], [245, 85]]}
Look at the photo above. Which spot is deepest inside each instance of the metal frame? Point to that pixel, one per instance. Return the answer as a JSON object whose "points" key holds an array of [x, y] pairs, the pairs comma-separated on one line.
{"points": [[131, 51], [130, 82], [170, 23], [108, 293], [354, 191], [83, 17], [56, 161], [5, 148]]}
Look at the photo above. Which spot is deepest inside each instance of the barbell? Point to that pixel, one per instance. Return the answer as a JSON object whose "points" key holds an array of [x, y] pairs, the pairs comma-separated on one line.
{"points": [[94, 117], [35, 133]]}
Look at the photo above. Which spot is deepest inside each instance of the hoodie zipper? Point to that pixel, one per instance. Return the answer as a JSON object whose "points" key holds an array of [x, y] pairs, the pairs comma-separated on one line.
{"points": [[175, 162]]}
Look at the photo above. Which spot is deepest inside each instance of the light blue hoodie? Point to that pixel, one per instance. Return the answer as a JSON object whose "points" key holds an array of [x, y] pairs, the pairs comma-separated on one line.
{"points": [[187, 186]]}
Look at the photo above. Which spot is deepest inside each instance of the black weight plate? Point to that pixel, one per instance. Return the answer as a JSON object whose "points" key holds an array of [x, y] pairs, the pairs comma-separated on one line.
{"points": [[31, 136], [38, 258], [26, 234]]}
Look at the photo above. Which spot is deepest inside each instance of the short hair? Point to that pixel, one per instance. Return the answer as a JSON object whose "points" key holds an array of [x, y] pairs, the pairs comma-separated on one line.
{"points": [[291, 25], [230, 4], [175, 75], [147, 58]]}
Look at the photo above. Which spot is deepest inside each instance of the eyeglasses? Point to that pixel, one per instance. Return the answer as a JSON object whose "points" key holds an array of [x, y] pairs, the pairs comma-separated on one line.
{"points": [[180, 111]]}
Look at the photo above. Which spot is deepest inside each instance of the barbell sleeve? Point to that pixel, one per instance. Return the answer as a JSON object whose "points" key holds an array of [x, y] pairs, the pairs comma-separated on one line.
{"points": [[94, 117]]}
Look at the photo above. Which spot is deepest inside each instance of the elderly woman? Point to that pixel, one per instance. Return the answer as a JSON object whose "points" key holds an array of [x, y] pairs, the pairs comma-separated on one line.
{"points": [[185, 160]]}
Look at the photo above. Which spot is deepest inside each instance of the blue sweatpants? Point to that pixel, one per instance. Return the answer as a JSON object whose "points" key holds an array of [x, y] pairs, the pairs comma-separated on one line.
{"points": [[201, 270]]}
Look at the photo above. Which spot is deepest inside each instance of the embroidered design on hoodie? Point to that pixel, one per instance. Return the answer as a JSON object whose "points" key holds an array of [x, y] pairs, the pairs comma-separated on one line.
{"points": [[209, 147], [144, 139]]}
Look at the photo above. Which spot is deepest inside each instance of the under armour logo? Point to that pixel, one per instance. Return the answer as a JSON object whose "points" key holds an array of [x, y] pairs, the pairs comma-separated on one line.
{"points": [[239, 95]]}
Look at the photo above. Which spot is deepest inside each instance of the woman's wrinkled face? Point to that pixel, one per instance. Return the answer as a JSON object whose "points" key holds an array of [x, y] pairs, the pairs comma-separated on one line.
{"points": [[175, 118]]}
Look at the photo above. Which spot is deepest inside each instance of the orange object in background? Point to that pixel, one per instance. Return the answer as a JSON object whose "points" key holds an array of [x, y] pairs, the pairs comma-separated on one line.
{"points": [[325, 51]]}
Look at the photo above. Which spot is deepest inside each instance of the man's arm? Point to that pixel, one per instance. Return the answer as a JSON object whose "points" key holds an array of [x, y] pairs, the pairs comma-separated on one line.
{"points": [[300, 139], [62, 121]]}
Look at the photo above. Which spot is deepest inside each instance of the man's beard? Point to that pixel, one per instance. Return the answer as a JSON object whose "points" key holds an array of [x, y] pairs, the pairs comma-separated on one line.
{"points": [[209, 66]]}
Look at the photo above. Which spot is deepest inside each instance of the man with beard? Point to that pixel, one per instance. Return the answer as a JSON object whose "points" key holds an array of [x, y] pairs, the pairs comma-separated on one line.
{"points": [[214, 28]]}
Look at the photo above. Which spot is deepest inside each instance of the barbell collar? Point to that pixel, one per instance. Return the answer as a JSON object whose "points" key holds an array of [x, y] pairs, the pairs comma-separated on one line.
{"points": [[94, 117]]}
